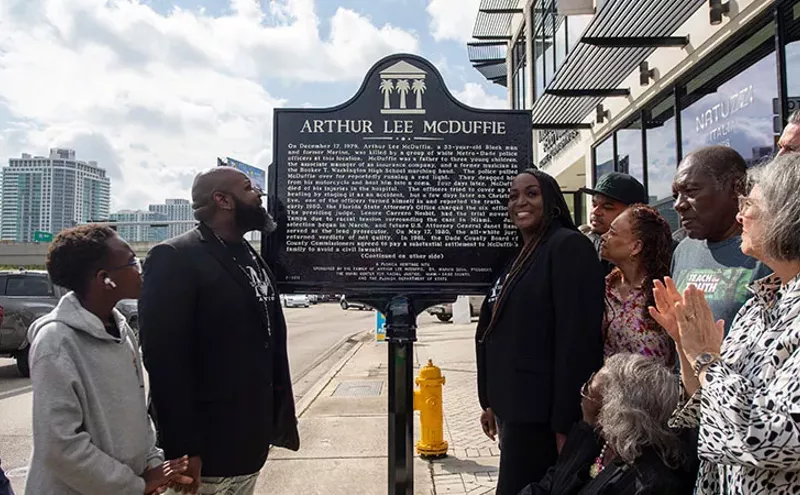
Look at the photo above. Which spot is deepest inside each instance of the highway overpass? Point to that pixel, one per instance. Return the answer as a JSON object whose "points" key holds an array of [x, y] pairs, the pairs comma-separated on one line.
{"points": [[31, 255]]}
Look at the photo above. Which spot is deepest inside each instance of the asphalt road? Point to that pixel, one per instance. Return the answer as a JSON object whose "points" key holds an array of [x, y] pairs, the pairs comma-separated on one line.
{"points": [[314, 333]]}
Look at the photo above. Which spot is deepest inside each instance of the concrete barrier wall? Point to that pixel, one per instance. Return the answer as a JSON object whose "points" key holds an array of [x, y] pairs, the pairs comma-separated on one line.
{"points": [[34, 254]]}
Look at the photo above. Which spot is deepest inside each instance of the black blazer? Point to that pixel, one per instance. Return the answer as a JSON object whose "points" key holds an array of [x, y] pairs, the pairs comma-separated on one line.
{"points": [[220, 385], [570, 475], [547, 339]]}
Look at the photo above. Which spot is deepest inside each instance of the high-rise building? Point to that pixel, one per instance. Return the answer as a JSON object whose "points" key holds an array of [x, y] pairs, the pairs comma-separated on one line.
{"points": [[176, 210], [141, 226], [50, 194]]}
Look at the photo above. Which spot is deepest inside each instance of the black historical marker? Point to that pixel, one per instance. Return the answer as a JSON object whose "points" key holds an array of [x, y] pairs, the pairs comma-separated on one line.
{"points": [[400, 190]]}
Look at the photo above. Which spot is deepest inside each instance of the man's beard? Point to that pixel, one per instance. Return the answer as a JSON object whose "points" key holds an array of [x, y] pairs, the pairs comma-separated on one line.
{"points": [[249, 217]]}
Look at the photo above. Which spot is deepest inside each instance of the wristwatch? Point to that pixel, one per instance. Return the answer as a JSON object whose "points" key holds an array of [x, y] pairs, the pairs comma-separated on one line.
{"points": [[704, 360]]}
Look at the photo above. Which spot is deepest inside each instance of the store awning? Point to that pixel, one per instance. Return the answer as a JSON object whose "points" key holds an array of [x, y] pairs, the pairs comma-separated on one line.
{"points": [[622, 34], [489, 58], [494, 19]]}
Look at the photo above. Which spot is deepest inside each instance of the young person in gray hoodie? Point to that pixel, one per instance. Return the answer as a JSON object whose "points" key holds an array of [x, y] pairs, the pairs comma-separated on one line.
{"points": [[91, 430]]}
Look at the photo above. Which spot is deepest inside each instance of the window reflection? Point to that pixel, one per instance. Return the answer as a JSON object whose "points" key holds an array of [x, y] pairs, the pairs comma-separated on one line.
{"points": [[732, 102], [575, 210], [604, 158], [629, 150], [550, 49], [519, 65], [538, 55], [662, 157], [792, 23]]}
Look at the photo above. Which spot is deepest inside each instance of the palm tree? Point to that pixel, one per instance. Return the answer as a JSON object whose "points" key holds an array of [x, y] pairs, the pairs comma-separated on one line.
{"points": [[403, 88], [418, 86], [387, 87]]}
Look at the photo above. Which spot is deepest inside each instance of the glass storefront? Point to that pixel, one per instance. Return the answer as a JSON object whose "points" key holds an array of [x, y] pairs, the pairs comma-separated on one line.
{"points": [[604, 158], [575, 204], [519, 67], [791, 19], [662, 153], [730, 98], [554, 36], [731, 102], [630, 158]]}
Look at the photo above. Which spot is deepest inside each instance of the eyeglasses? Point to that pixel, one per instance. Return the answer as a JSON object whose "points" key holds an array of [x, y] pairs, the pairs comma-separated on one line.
{"points": [[585, 388], [135, 262], [745, 203]]}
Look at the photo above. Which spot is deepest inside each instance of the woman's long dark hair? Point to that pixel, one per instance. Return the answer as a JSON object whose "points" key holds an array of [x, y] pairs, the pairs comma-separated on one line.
{"points": [[653, 230], [555, 210], [555, 206]]}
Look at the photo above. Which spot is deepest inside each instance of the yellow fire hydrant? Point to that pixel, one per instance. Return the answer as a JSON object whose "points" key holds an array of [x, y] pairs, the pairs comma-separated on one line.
{"points": [[428, 401]]}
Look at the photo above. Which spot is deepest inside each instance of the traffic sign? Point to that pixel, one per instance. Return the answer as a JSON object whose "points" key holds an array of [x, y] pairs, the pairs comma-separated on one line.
{"points": [[41, 236]]}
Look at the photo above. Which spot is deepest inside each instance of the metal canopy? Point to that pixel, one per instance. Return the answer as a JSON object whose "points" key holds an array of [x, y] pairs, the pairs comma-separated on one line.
{"points": [[489, 58], [605, 93], [494, 19], [605, 67], [632, 41]]}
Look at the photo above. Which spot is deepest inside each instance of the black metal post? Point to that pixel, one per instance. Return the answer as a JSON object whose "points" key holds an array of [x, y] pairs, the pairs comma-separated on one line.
{"points": [[401, 333], [780, 52], [676, 98]]}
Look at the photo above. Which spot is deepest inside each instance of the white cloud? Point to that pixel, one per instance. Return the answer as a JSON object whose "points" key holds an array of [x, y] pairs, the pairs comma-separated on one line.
{"points": [[475, 96], [155, 98], [452, 19]]}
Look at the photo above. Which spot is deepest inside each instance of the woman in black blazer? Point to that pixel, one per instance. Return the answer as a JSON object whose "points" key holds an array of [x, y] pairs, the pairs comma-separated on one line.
{"points": [[539, 336]]}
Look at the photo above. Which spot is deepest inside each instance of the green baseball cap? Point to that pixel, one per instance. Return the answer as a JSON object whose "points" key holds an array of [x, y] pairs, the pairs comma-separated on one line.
{"points": [[620, 187]]}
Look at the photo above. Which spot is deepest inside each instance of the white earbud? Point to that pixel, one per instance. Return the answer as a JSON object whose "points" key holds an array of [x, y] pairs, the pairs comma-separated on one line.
{"points": [[110, 283]]}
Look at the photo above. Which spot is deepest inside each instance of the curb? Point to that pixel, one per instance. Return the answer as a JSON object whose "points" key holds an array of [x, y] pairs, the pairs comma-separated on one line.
{"points": [[305, 402], [325, 355]]}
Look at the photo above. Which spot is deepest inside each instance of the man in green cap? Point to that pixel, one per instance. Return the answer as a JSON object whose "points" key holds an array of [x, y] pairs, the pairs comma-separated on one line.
{"points": [[613, 194]]}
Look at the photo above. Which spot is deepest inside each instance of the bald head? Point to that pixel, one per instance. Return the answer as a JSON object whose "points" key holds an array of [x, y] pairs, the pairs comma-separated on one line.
{"points": [[217, 179]]}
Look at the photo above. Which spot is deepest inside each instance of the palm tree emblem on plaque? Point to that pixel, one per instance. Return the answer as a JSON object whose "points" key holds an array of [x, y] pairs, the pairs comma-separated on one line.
{"points": [[402, 78]]}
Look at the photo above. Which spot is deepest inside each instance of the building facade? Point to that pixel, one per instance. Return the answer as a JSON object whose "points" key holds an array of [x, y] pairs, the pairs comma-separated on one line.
{"points": [[140, 225], [636, 85], [51, 193], [175, 210]]}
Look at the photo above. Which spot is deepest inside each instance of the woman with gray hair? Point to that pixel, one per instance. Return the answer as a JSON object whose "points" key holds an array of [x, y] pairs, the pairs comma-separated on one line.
{"points": [[623, 445], [744, 390]]}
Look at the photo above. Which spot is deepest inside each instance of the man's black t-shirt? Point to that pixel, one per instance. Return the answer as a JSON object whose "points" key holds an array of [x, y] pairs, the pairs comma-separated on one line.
{"points": [[258, 278]]}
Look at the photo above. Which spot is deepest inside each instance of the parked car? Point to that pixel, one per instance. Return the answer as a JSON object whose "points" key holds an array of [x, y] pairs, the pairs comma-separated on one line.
{"points": [[345, 304], [27, 295], [296, 301], [445, 311]]}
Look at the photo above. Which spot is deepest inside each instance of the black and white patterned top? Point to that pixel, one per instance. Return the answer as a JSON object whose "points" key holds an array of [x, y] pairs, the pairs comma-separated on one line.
{"points": [[748, 411]]}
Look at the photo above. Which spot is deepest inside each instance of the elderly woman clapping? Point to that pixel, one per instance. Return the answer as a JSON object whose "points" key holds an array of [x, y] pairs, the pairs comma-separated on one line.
{"points": [[745, 390]]}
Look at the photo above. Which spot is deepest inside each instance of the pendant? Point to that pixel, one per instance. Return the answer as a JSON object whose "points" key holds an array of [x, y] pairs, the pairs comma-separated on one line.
{"points": [[595, 470]]}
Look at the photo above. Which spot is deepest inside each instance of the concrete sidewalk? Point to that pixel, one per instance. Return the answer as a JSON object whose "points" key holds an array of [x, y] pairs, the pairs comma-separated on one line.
{"points": [[343, 425]]}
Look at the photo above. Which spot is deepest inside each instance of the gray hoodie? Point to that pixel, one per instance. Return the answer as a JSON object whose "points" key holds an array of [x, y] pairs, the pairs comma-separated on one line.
{"points": [[91, 431]]}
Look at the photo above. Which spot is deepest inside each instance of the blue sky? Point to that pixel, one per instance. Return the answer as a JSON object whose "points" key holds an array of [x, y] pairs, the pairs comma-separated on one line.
{"points": [[154, 90]]}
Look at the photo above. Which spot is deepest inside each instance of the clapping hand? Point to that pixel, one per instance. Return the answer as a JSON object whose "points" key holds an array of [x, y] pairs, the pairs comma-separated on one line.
{"points": [[698, 332], [666, 296], [158, 478]]}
